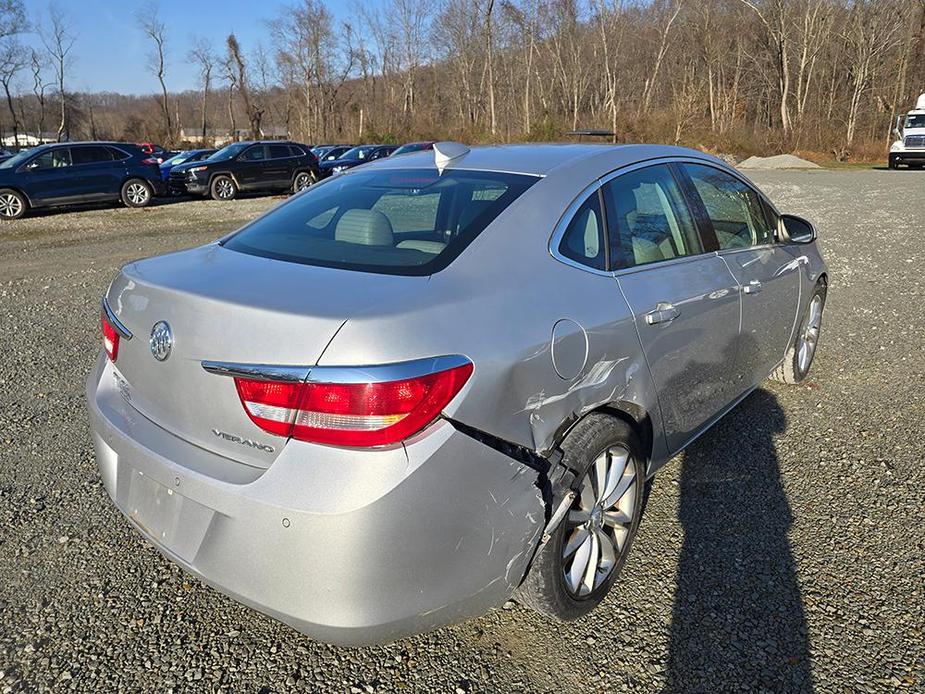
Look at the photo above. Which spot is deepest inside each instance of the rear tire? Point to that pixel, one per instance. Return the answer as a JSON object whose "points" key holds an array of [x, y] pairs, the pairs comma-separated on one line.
{"points": [[563, 583], [302, 180], [137, 192], [13, 204], [799, 357], [223, 188]]}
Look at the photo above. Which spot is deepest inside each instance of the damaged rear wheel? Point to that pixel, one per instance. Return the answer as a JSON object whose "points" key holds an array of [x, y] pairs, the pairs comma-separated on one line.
{"points": [[584, 556]]}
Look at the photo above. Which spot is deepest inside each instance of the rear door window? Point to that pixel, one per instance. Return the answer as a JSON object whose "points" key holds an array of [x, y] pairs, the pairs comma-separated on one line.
{"points": [[90, 154], [411, 222], [279, 152], [648, 218], [736, 211]]}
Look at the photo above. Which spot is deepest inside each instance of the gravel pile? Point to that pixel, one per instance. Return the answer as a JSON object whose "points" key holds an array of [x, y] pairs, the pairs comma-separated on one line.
{"points": [[783, 552], [780, 161]]}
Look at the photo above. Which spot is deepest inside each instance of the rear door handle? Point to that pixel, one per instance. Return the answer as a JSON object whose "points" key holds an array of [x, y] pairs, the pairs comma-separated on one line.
{"points": [[752, 287], [664, 313]]}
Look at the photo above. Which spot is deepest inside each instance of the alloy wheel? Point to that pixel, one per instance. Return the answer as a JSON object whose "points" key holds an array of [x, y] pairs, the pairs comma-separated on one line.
{"points": [[10, 206], [600, 521], [138, 193], [302, 181], [810, 336], [225, 188]]}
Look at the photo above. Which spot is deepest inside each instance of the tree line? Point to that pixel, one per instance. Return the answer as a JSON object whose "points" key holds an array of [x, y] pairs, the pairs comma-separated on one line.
{"points": [[738, 76]]}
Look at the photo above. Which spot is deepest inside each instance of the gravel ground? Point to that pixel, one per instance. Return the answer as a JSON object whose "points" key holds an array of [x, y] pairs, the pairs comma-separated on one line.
{"points": [[782, 552]]}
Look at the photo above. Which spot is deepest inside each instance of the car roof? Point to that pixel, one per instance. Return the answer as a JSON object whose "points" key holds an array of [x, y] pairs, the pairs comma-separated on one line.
{"points": [[542, 159]]}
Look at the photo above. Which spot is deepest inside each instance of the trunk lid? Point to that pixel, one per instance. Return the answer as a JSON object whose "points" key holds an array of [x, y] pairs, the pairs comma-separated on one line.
{"points": [[222, 305]]}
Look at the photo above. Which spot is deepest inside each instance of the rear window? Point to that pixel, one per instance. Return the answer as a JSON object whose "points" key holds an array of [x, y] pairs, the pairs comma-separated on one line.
{"points": [[409, 222]]}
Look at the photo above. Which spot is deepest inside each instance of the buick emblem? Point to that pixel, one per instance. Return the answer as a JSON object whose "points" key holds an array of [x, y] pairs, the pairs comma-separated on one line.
{"points": [[161, 340]]}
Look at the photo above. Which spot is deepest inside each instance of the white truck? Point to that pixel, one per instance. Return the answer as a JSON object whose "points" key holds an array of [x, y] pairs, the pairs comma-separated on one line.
{"points": [[909, 147]]}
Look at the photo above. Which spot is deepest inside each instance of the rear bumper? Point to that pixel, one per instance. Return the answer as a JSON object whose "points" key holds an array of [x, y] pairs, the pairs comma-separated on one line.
{"points": [[349, 547]]}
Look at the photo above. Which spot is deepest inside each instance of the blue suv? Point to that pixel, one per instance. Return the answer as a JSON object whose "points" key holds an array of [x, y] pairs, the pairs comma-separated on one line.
{"points": [[77, 172]]}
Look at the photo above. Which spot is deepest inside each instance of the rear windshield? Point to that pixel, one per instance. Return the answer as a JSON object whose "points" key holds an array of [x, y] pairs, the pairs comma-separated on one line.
{"points": [[407, 222]]}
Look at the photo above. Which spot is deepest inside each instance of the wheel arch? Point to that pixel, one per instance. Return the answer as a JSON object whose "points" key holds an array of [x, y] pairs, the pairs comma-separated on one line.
{"points": [[20, 191], [230, 174], [633, 414]]}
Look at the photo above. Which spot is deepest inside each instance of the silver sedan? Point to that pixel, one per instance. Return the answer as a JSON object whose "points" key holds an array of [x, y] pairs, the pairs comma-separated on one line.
{"points": [[438, 381]]}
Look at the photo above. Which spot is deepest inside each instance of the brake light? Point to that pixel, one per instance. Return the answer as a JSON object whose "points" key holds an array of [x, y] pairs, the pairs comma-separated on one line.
{"points": [[356, 414], [110, 338], [152, 161]]}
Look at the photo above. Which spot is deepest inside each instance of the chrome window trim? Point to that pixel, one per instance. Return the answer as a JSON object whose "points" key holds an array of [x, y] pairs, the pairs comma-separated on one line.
{"points": [[680, 260], [566, 219], [377, 373], [114, 320]]}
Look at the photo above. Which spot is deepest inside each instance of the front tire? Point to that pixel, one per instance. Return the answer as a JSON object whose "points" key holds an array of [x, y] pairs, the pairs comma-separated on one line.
{"points": [[577, 567], [13, 205], [799, 357], [223, 188], [137, 193], [891, 162]]}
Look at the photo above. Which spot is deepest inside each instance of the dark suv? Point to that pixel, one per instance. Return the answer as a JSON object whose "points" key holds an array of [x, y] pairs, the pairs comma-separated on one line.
{"points": [[247, 166], [77, 172]]}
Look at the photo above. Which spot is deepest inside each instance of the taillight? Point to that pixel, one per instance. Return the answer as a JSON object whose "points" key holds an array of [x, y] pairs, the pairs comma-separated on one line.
{"points": [[351, 414], [110, 338], [152, 161]]}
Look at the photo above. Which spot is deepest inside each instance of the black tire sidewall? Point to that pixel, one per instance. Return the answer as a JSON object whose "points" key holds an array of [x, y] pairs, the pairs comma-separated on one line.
{"points": [[594, 434], [214, 192], [125, 198], [24, 204]]}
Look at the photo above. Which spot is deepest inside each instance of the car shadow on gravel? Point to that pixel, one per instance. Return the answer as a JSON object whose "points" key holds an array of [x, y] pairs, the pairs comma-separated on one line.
{"points": [[738, 621]]}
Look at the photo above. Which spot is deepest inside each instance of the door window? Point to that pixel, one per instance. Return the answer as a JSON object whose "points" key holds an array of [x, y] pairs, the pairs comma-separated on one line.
{"points": [[583, 240], [648, 218], [255, 153], [279, 152], [735, 209], [53, 159], [90, 154]]}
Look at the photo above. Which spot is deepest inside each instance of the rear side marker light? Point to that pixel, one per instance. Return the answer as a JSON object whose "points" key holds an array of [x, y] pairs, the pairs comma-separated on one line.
{"points": [[353, 414]]}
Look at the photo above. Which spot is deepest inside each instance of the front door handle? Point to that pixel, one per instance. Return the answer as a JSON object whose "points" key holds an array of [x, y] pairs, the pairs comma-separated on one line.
{"points": [[752, 287], [664, 313]]}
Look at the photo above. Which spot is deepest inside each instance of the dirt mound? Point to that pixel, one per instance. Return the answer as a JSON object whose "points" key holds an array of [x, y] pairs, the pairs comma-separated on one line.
{"points": [[781, 161]]}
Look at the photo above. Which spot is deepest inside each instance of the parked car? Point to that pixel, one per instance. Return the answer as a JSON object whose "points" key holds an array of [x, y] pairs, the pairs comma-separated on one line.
{"points": [[420, 386], [77, 172], [182, 158], [156, 151], [5, 154], [330, 152], [414, 147], [247, 166], [361, 154]]}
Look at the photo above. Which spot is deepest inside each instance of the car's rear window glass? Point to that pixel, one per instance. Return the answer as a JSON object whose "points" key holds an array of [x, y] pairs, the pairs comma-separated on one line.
{"points": [[410, 222]]}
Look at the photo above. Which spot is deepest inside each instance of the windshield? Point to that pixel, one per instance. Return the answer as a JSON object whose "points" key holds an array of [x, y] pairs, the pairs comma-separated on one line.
{"points": [[360, 152], [177, 159], [413, 147], [406, 222], [229, 152], [916, 120], [16, 160]]}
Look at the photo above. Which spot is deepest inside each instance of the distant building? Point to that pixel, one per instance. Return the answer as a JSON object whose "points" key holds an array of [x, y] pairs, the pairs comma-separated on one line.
{"points": [[219, 138], [28, 139]]}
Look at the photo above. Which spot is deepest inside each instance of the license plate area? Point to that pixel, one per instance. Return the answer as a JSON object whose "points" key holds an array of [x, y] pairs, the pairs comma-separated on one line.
{"points": [[171, 520]]}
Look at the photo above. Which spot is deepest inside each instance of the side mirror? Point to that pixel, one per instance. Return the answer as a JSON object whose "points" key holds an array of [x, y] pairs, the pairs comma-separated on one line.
{"points": [[796, 229]]}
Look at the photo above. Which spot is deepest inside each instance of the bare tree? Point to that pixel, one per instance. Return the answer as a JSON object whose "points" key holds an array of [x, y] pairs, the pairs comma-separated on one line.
{"points": [[773, 16], [151, 24], [58, 42], [13, 55], [252, 108], [202, 55], [37, 65]]}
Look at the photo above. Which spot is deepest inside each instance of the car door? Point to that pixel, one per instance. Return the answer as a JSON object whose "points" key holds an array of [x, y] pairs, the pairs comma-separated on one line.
{"points": [[49, 177], [280, 166], [767, 277], [684, 300], [97, 177], [250, 167]]}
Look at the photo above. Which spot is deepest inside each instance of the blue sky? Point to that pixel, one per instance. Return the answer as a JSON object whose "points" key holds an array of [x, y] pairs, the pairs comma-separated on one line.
{"points": [[110, 52]]}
